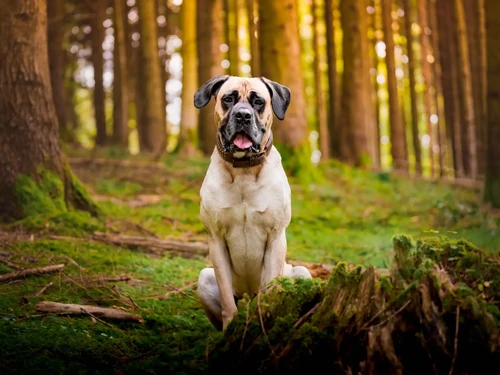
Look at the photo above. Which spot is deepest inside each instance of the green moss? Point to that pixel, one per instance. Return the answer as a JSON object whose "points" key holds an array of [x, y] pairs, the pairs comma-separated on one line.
{"points": [[42, 195]]}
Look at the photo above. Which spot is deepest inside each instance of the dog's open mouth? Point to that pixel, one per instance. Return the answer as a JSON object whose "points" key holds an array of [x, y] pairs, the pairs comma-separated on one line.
{"points": [[242, 142]]}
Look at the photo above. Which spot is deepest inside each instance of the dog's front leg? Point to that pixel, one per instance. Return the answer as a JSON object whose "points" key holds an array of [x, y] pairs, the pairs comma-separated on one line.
{"points": [[274, 259], [222, 266]]}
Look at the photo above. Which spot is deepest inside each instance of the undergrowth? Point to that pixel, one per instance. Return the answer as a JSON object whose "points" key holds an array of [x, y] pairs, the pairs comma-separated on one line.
{"points": [[351, 216]]}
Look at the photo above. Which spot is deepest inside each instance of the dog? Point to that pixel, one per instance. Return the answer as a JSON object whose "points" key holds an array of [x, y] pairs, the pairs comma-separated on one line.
{"points": [[245, 195]]}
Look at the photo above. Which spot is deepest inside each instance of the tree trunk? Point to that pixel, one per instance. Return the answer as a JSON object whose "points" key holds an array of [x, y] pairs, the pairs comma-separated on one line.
{"points": [[55, 15], [29, 137], [398, 136], [333, 81], [97, 36], [358, 113], [492, 186], [324, 138], [155, 128], [209, 37], [375, 23], [417, 149], [120, 85], [232, 39], [438, 88], [280, 43], [252, 13], [474, 17], [188, 135], [469, 144], [447, 48], [427, 75]]}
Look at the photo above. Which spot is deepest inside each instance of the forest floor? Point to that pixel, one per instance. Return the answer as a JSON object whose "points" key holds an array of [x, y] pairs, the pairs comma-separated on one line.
{"points": [[351, 216]]}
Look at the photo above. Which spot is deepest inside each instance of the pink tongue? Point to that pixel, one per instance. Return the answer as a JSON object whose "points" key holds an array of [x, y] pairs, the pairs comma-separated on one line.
{"points": [[242, 142]]}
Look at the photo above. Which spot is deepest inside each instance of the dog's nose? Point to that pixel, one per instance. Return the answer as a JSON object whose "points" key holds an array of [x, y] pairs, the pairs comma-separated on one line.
{"points": [[243, 114]]}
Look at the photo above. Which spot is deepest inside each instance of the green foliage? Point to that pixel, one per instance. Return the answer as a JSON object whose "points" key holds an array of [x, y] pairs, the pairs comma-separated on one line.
{"points": [[348, 217]]}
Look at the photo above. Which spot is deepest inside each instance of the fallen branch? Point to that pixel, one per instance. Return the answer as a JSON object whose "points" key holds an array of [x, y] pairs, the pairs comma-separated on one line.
{"points": [[7, 262], [30, 272], [73, 309], [109, 279], [116, 163], [153, 244]]}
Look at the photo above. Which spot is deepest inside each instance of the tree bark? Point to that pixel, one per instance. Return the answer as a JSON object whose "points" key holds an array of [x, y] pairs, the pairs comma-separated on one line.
{"points": [[154, 121], [474, 18], [232, 39], [492, 186], [358, 113], [252, 13], [469, 144], [97, 38], [188, 136], [120, 84], [280, 43], [333, 81], [209, 33], [427, 76], [397, 130], [447, 49], [324, 137], [417, 149], [55, 15], [29, 137], [375, 23], [438, 88]]}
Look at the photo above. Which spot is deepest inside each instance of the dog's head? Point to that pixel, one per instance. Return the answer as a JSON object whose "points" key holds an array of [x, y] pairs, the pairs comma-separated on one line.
{"points": [[243, 109]]}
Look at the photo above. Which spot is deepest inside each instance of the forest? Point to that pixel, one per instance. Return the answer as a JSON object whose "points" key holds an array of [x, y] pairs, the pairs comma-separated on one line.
{"points": [[389, 145]]}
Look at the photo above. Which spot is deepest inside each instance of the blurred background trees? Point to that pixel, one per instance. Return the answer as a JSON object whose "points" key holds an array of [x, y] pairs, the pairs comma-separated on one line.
{"points": [[403, 85]]}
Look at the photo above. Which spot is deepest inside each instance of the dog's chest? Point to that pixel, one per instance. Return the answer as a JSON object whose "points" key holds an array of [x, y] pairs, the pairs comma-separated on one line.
{"points": [[248, 203]]}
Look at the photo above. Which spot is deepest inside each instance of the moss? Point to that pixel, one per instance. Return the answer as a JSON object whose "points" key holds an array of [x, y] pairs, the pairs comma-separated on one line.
{"points": [[41, 195], [44, 201]]}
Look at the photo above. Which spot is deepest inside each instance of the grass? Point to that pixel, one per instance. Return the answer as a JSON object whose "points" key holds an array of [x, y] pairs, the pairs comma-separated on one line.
{"points": [[351, 217]]}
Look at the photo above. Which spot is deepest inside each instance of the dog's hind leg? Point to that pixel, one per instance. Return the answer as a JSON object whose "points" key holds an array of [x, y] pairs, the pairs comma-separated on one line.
{"points": [[296, 272], [208, 291]]}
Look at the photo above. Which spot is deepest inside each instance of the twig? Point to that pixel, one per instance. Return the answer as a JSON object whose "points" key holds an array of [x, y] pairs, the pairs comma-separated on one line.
{"points": [[390, 317], [74, 263], [133, 302], [153, 244], [182, 292], [262, 325], [74, 309], [30, 272], [306, 315], [41, 291], [100, 320], [247, 322], [7, 262], [455, 347], [177, 290]]}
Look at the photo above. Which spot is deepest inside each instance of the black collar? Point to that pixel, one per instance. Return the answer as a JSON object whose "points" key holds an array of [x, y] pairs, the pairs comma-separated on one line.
{"points": [[246, 161]]}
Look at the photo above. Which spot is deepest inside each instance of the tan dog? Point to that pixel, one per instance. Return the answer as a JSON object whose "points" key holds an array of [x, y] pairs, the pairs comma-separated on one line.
{"points": [[245, 197]]}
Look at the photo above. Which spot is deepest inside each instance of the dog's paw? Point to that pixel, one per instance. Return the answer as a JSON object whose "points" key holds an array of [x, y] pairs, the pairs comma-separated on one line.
{"points": [[227, 317]]}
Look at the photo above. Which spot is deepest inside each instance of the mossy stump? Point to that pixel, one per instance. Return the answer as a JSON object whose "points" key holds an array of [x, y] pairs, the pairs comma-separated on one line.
{"points": [[435, 313]]}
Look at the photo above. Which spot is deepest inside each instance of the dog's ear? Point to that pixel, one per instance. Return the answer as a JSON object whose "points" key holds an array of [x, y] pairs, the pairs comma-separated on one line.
{"points": [[280, 97], [209, 88]]}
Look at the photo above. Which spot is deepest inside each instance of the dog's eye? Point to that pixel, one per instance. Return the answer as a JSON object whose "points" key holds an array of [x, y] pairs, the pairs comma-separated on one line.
{"points": [[258, 102], [228, 99]]}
